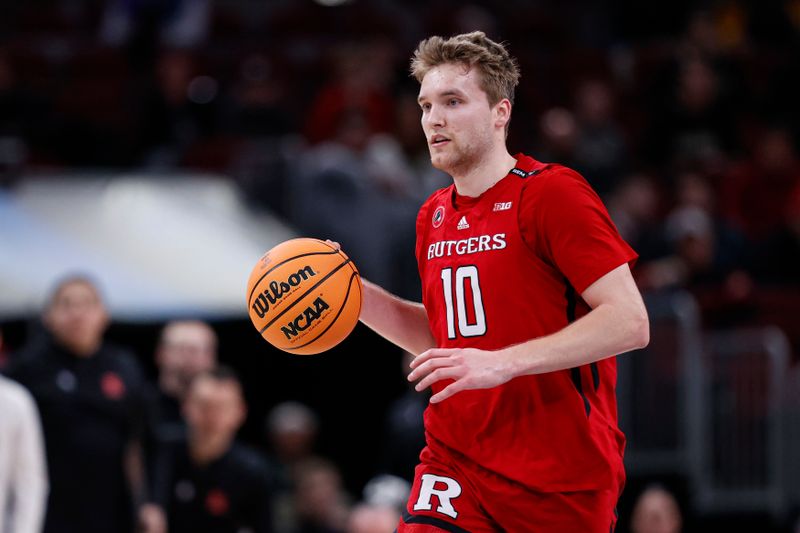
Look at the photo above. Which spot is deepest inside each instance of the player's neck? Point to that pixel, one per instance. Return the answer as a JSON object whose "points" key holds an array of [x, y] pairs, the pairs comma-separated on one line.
{"points": [[479, 178]]}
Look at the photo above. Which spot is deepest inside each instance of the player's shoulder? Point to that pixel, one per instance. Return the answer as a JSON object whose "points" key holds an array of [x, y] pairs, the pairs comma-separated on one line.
{"points": [[554, 175], [553, 183]]}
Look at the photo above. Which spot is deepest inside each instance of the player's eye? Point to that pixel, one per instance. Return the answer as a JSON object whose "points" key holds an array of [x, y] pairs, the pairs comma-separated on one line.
{"points": [[425, 107], [453, 102]]}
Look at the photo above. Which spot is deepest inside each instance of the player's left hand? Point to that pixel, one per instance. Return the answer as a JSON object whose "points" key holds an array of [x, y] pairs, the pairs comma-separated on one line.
{"points": [[470, 368]]}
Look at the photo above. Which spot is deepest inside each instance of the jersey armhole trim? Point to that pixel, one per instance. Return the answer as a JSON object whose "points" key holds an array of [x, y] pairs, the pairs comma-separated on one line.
{"points": [[408, 518], [525, 242]]}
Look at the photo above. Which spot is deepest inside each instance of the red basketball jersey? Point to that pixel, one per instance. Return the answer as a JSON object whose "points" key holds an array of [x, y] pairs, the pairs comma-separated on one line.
{"points": [[504, 268]]}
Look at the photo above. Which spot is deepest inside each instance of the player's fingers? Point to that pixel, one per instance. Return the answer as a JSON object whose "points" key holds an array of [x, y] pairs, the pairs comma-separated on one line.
{"points": [[429, 366], [453, 388], [438, 375], [430, 354], [334, 244]]}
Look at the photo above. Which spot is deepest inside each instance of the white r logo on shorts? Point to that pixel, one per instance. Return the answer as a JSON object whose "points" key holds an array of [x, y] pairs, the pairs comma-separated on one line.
{"points": [[428, 488]]}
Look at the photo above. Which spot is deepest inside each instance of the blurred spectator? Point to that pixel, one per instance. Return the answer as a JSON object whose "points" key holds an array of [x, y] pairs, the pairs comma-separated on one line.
{"points": [[695, 257], [371, 518], [259, 112], [292, 432], [634, 206], [180, 110], [321, 502], [172, 23], [291, 429], [21, 114], [600, 149], [707, 256], [756, 192], [702, 249], [695, 190], [257, 107], [185, 349], [208, 482], [701, 36], [559, 132], [656, 511], [360, 86], [776, 259], [696, 123], [387, 491], [404, 430], [23, 472], [90, 397]]}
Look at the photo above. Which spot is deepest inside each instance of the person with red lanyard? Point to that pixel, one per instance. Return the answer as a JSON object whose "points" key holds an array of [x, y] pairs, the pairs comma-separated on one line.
{"points": [[527, 296]]}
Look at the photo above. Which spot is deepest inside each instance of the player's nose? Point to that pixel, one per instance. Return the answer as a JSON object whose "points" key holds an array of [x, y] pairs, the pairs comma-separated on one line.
{"points": [[434, 118]]}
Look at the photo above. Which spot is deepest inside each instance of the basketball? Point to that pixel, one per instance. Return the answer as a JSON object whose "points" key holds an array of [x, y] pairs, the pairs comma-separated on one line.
{"points": [[304, 296]]}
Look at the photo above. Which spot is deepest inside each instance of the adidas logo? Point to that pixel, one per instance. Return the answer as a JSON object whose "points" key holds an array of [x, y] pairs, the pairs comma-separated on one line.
{"points": [[463, 224]]}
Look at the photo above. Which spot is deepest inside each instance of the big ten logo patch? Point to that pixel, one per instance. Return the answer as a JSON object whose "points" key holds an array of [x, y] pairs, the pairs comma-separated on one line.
{"points": [[444, 488]]}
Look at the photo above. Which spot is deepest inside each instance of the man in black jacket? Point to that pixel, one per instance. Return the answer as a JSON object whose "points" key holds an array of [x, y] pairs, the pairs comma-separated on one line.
{"points": [[207, 482], [89, 395]]}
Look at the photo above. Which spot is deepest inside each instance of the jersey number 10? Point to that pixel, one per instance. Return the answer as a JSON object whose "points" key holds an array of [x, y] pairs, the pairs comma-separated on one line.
{"points": [[463, 274]]}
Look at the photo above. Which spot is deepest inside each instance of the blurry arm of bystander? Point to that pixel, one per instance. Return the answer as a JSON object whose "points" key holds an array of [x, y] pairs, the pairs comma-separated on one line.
{"points": [[29, 480]]}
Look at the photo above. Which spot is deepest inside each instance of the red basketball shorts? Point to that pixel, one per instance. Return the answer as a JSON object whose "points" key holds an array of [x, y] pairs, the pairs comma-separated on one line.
{"points": [[461, 497]]}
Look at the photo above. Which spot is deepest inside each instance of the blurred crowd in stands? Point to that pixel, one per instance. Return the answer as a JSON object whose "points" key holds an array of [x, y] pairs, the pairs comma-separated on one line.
{"points": [[684, 118]]}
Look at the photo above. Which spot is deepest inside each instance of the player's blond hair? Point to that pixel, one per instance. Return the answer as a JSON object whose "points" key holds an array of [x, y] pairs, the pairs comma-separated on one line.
{"points": [[499, 72]]}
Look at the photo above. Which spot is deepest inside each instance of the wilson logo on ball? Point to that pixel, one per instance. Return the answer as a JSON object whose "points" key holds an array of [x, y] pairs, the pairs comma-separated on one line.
{"points": [[275, 291]]}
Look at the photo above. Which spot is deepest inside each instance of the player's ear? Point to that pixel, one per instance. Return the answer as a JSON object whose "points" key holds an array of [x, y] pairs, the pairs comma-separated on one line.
{"points": [[502, 113]]}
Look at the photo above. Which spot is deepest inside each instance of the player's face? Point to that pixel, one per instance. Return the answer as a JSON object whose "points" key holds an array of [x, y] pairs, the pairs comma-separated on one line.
{"points": [[77, 318], [456, 117]]}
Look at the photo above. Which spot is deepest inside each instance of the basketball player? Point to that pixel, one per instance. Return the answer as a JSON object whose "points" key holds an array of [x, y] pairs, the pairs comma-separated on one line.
{"points": [[527, 296]]}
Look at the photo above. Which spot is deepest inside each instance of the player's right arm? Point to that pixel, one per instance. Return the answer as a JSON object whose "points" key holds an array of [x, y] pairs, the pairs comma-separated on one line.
{"points": [[400, 321]]}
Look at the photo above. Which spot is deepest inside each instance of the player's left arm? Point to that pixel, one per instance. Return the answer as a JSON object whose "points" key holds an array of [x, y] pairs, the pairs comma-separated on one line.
{"points": [[617, 323]]}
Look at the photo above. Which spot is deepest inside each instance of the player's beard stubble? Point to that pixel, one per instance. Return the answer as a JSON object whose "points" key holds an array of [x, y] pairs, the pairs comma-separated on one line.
{"points": [[457, 158]]}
